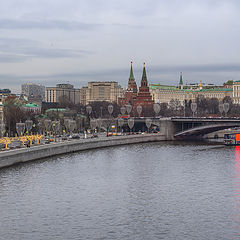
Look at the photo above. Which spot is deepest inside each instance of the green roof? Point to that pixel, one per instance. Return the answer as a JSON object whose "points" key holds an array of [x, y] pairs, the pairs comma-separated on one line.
{"points": [[166, 87], [162, 87], [56, 110], [215, 90], [32, 105]]}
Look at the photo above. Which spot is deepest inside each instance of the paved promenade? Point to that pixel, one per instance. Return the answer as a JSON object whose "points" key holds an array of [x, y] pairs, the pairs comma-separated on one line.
{"points": [[15, 156]]}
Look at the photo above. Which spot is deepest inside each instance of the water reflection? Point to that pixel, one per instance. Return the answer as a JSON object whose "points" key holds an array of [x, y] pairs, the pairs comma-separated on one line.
{"points": [[150, 191], [236, 210]]}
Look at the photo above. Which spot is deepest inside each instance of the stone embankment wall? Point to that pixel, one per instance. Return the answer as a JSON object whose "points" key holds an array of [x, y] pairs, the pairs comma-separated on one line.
{"points": [[11, 157]]}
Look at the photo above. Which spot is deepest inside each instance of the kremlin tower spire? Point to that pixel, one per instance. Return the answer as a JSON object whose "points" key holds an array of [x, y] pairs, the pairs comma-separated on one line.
{"points": [[132, 85], [144, 81], [181, 81], [131, 77]]}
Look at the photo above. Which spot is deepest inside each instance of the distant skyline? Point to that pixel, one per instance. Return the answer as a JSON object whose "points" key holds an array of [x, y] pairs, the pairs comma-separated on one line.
{"points": [[78, 41]]}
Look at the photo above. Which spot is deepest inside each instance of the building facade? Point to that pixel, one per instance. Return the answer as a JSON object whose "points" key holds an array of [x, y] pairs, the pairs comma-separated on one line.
{"points": [[33, 90], [1, 108], [54, 94], [164, 94], [236, 92], [101, 91]]}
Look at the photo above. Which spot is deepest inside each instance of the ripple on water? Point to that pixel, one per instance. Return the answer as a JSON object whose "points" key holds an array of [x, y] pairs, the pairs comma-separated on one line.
{"points": [[145, 191]]}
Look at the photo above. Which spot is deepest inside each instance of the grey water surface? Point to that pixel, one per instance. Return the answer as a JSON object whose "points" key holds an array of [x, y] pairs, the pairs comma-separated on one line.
{"points": [[146, 191]]}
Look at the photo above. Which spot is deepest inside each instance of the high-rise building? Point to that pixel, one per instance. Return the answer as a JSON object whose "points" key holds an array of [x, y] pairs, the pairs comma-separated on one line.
{"points": [[33, 90], [102, 91], [54, 94]]}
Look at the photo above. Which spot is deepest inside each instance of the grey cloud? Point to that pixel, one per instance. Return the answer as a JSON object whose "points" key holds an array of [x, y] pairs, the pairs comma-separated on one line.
{"points": [[155, 74], [46, 24], [19, 50]]}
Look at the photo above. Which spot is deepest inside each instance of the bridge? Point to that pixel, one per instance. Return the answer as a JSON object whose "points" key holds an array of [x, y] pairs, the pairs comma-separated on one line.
{"points": [[180, 128], [185, 128]]}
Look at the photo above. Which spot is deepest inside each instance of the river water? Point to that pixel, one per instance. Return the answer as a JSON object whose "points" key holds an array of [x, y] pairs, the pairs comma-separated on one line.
{"points": [[145, 191]]}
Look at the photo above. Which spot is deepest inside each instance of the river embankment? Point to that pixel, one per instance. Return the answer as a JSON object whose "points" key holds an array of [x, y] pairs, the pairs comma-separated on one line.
{"points": [[15, 156]]}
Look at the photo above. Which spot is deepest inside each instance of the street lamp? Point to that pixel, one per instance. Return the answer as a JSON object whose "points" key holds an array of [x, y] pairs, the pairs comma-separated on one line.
{"points": [[2, 129], [72, 125], [129, 108], [28, 124], [120, 123], [130, 123], [110, 109], [193, 107], [139, 110], [99, 123], [47, 123], [20, 127], [226, 108], [56, 127], [93, 124], [221, 108], [156, 108], [148, 123], [89, 109], [123, 110]]}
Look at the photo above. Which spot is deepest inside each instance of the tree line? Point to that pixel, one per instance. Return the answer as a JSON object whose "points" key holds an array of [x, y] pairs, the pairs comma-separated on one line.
{"points": [[206, 107]]}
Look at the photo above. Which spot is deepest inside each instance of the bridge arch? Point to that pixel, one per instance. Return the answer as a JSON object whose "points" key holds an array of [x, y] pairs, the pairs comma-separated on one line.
{"points": [[204, 129]]}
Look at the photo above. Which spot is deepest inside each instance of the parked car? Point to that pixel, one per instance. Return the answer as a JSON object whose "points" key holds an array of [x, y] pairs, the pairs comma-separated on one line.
{"points": [[76, 136]]}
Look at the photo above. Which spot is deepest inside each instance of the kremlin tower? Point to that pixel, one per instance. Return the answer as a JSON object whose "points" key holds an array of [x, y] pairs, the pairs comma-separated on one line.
{"points": [[144, 97], [131, 92], [134, 97]]}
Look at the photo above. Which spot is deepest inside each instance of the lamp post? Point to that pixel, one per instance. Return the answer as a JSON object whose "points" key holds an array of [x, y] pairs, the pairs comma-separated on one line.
{"points": [[72, 126], [89, 111], [99, 123], [93, 124], [2, 129], [148, 123], [110, 111], [20, 127], [221, 108], [47, 124], [193, 107], [130, 124], [139, 110], [120, 123], [28, 125], [123, 110], [226, 108], [56, 128], [129, 108], [156, 108]]}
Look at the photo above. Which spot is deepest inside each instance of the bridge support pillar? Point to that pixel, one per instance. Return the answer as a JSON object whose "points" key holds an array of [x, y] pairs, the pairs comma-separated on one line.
{"points": [[167, 128]]}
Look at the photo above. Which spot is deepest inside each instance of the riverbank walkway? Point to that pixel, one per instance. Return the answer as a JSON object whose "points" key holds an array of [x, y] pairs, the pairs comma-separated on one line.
{"points": [[14, 156]]}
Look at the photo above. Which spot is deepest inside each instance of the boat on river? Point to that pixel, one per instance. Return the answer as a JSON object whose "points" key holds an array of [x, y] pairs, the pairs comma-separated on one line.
{"points": [[232, 139]]}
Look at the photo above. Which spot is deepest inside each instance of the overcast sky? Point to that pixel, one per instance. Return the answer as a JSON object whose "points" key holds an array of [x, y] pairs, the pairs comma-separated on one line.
{"points": [[76, 41]]}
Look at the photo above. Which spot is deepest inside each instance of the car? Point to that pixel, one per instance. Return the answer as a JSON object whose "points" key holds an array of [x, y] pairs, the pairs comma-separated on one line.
{"points": [[94, 135], [76, 136]]}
